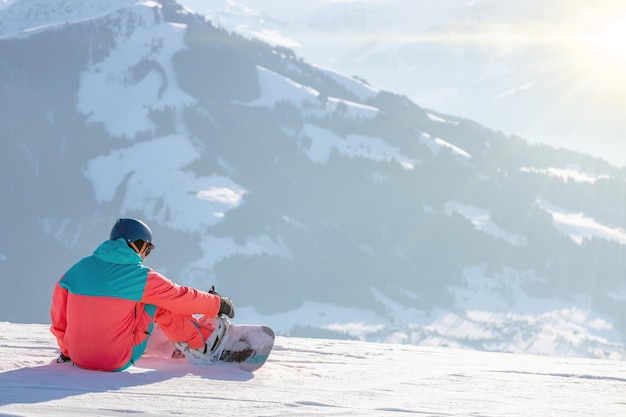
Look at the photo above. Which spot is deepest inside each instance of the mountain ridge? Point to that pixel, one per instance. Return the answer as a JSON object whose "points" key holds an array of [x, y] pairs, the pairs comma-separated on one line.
{"points": [[532, 70]]}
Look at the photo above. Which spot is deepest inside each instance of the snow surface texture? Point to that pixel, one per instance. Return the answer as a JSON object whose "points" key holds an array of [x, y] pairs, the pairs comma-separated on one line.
{"points": [[310, 377]]}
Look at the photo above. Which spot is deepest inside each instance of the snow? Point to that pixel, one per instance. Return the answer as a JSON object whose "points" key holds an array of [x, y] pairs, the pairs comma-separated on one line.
{"points": [[576, 225], [360, 89], [323, 141], [567, 174], [110, 91], [440, 119], [580, 227], [162, 187], [310, 377], [437, 144], [276, 88], [482, 221], [350, 110]]}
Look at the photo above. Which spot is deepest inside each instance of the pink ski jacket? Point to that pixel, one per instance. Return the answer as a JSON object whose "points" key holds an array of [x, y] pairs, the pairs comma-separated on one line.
{"points": [[103, 307]]}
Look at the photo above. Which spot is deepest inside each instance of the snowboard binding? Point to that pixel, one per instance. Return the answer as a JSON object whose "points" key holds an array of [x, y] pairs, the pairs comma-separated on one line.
{"points": [[213, 345]]}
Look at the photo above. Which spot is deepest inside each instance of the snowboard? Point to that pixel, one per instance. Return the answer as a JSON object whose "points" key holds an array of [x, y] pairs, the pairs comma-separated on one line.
{"points": [[247, 346], [244, 346]]}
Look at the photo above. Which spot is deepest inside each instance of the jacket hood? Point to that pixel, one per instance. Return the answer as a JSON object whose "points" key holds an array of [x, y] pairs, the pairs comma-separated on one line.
{"points": [[117, 252]]}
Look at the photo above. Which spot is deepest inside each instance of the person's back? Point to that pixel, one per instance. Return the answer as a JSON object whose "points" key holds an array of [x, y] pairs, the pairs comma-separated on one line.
{"points": [[104, 307], [105, 292]]}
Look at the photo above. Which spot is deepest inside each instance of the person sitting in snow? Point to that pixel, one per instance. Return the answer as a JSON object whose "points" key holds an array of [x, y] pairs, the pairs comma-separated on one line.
{"points": [[105, 306]]}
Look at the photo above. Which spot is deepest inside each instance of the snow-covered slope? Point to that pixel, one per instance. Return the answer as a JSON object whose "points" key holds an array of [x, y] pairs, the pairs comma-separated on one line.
{"points": [[310, 377]]}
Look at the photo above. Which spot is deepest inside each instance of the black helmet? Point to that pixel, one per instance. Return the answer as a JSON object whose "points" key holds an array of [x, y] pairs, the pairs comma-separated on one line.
{"points": [[131, 230]]}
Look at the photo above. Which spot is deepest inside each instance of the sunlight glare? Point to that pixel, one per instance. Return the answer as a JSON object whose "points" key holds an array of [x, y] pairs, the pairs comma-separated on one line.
{"points": [[613, 40], [602, 62]]}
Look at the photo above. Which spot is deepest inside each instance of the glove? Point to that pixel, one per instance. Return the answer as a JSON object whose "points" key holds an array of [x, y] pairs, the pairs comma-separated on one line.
{"points": [[226, 304], [226, 307], [62, 358]]}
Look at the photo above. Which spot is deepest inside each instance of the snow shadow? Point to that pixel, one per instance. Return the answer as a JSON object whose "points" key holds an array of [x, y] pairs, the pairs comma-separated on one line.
{"points": [[55, 381]]}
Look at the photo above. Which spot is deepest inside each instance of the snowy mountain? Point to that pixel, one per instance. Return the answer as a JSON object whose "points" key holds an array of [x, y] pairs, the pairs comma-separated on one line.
{"points": [[310, 377], [549, 71], [321, 204]]}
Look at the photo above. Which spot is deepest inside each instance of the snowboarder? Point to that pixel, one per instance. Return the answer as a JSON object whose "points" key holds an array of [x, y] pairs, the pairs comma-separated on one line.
{"points": [[105, 306]]}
